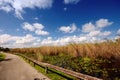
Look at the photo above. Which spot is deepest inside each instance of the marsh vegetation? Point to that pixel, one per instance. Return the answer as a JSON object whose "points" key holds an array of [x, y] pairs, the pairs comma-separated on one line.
{"points": [[96, 59]]}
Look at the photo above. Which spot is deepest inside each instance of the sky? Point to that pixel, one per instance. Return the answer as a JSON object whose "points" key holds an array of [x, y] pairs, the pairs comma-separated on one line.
{"points": [[34, 23]]}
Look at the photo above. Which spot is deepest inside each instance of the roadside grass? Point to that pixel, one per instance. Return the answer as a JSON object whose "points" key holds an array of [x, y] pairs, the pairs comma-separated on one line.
{"points": [[52, 74], [2, 56]]}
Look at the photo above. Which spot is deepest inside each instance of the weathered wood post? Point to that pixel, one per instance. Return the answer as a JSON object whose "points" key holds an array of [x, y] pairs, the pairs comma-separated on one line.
{"points": [[34, 64], [46, 69], [28, 61]]}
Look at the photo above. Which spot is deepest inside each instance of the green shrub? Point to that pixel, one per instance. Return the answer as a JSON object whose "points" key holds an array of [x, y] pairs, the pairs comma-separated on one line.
{"points": [[2, 56]]}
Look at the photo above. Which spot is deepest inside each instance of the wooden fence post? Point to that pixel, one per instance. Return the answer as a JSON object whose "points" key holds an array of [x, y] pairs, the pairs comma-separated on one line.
{"points": [[28, 61], [34, 64], [46, 69]]}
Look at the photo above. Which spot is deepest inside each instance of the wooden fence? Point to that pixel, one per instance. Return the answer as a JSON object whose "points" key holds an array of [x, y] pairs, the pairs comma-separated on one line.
{"points": [[65, 71]]}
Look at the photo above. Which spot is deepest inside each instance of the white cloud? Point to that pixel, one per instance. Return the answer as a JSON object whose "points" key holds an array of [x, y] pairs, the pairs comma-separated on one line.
{"points": [[103, 23], [40, 32], [105, 33], [4, 38], [118, 32], [88, 27], [6, 8], [35, 27], [71, 1], [99, 33], [63, 40], [70, 39], [7, 40], [65, 29], [68, 29], [117, 37], [94, 33], [49, 38], [38, 26], [100, 24], [27, 26], [26, 39], [73, 27], [18, 6]]}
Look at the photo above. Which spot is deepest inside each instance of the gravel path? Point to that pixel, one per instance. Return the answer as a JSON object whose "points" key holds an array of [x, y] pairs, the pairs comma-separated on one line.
{"points": [[14, 68]]}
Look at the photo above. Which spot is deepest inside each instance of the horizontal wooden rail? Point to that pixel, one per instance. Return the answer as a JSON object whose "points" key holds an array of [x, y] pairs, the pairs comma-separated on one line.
{"points": [[65, 71]]}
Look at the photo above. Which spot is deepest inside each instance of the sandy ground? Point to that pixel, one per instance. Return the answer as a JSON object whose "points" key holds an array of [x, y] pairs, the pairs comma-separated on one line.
{"points": [[14, 68]]}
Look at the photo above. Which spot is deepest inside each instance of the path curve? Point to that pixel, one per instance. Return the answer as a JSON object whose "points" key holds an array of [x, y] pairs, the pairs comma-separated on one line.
{"points": [[15, 68]]}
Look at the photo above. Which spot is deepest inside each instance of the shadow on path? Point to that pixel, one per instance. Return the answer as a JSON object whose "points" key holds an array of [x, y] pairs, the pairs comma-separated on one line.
{"points": [[8, 59]]}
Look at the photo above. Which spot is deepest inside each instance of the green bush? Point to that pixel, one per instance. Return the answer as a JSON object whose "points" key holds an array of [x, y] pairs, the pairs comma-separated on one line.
{"points": [[2, 56]]}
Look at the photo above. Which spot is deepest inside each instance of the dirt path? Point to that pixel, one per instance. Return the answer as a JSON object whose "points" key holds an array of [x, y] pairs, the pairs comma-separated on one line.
{"points": [[14, 68]]}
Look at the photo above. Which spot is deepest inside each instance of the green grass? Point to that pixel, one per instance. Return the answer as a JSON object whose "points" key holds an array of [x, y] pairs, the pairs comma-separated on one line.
{"points": [[52, 74], [2, 56]]}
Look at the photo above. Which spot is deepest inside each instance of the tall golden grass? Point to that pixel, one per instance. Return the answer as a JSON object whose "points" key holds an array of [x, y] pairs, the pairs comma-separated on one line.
{"points": [[108, 49]]}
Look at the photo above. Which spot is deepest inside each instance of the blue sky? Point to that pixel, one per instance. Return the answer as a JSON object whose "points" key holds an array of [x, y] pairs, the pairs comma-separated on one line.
{"points": [[32, 23]]}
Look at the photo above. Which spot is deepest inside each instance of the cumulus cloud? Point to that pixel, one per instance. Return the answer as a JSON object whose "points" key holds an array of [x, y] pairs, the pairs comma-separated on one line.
{"points": [[100, 24], [7, 40], [70, 39], [94, 33], [30, 41], [103, 23], [99, 33], [88, 27], [4, 38], [40, 32], [25, 39], [18, 6], [38, 26], [63, 41], [105, 33], [6, 8], [35, 27], [117, 37], [68, 29], [65, 29], [71, 1], [27, 26]]}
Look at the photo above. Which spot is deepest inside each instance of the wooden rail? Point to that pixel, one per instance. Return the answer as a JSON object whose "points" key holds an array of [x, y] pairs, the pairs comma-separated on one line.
{"points": [[65, 71]]}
